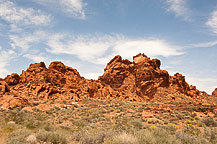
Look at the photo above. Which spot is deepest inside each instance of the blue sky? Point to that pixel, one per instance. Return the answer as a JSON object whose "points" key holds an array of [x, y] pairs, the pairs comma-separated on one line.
{"points": [[86, 34]]}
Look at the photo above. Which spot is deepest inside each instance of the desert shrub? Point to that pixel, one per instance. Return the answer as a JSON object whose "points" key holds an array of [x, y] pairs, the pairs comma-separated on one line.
{"points": [[18, 137], [210, 122], [79, 123], [122, 138], [121, 126], [32, 124], [16, 116], [52, 137], [191, 130], [156, 136], [10, 127], [41, 116], [171, 128], [48, 126], [136, 124], [186, 138], [92, 136], [211, 135], [146, 137]]}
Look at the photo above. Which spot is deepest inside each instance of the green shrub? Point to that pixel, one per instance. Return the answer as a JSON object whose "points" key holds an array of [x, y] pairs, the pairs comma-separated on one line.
{"points": [[8, 128], [156, 136], [52, 137], [210, 122], [32, 124], [186, 138], [93, 136], [136, 124], [18, 137], [122, 138], [191, 129]]}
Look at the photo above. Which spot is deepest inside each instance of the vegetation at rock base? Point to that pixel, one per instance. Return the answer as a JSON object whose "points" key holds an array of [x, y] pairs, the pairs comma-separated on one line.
{"points": [[95, 121]]}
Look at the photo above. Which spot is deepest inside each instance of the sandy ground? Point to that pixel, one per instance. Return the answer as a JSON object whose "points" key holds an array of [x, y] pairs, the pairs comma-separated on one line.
{"points": [[3, 137]]}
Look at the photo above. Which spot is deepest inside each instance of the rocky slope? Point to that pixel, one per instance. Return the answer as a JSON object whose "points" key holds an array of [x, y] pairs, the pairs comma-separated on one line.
{"points": [[140, 80]]}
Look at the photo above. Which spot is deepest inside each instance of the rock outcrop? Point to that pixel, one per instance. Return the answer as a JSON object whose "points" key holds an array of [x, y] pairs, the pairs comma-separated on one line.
{"points": [[214, 93], [3, 87], [140, 80], [137, 80], [178, 83], [12, 79]]}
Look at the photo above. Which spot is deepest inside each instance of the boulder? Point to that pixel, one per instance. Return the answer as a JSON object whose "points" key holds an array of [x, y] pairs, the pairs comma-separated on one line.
{"points": [[12, 79]]}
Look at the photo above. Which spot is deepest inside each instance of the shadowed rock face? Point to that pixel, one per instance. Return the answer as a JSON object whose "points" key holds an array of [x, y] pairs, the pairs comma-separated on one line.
{"points": [[139, 80], [214, 93], [4, 88], [12, 79]]}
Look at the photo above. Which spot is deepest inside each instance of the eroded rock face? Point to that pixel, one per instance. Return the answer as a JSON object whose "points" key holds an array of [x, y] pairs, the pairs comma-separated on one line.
{"points": [[11, 101], [214, 93], [178, 83], [3, 87], [57, 80], [140, 80], [12, 79]]}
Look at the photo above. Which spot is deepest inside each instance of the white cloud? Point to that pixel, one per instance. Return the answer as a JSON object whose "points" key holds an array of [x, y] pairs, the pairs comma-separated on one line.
{"points": [[92, 75], [212, 22], [5, 58], [84, 47], [180, 9], [15, 28], [14, 14], [100, 49], [26, 40], [97, 49], [74, 8], [37, 57], [206, 44], [151, 47], [204, 84]]}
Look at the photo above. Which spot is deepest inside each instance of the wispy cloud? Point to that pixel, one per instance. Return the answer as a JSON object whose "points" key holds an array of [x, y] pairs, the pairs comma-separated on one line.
{"points": [[41, 57], [25, 40], [205, 44], [212, 22], [75, 8], [5, 58], [14, 14], [99, 49], [179, 7], [84, 47]]}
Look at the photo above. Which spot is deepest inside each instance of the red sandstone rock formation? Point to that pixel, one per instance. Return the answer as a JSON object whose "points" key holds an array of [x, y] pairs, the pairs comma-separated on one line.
{"points": [[12, 79], [140, 80], [137, 80], [3, 87], [214, 93], [178, 83], [11, 101]]}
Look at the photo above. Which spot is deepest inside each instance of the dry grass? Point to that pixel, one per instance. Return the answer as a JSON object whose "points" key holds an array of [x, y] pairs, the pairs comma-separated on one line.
{"points": [[109, 122]]}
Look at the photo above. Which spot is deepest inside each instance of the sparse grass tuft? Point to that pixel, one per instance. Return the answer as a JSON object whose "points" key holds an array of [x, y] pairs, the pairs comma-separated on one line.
{"points": [[18, 137], [52, 137]]}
